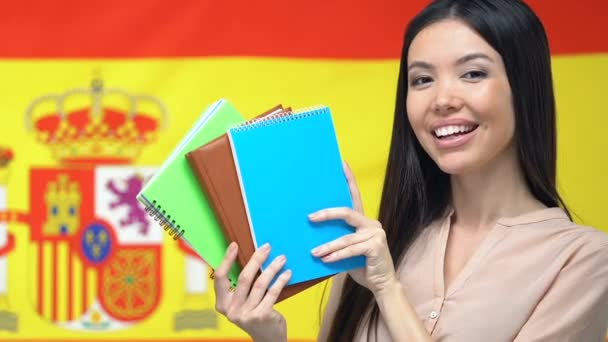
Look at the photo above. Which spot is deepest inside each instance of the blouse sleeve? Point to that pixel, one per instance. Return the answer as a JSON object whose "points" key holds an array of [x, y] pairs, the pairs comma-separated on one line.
{"points": [[575, 307]]}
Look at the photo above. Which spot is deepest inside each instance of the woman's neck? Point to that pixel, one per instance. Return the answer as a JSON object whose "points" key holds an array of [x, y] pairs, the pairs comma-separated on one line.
{"points": [[480, 198]]}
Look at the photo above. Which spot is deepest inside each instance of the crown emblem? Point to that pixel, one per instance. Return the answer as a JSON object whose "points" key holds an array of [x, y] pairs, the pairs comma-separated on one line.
{"points": [[96, 125]]}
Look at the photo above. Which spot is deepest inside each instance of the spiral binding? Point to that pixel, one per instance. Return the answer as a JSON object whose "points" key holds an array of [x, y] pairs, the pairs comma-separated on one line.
{"points": [[280, 118], [258, 119], [263, 118], [156, 212]]}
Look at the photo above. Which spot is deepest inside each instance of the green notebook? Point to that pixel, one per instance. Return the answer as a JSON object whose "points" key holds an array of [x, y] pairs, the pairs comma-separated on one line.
{"points": [[173, 196]]}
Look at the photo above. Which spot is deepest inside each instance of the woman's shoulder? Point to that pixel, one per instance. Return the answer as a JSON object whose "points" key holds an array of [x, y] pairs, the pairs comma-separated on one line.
{"points": [[554, 235], [581, 234], [555, 224], [585, 236], [583, 251]]}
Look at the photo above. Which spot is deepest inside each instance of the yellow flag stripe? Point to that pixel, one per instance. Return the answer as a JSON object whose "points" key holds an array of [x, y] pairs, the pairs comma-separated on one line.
{"points": [[32, 274], [77, 289], [62, 281], [91, 289], [47, 280], [361, 96]]}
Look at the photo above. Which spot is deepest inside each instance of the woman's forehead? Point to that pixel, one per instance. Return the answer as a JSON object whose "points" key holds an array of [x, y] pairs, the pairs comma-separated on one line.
{"points": [[447, 41]]}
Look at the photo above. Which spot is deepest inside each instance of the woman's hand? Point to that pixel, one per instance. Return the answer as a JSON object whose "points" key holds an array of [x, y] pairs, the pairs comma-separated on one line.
{"points": [[369, 240], [251, 308]]}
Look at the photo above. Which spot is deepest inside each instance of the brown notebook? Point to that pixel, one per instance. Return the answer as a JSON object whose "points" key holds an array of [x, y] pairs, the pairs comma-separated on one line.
{"points": [[214, 167]]}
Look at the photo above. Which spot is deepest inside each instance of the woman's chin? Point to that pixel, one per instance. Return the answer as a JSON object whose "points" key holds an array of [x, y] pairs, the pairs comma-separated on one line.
{"points": [[454, 167]]}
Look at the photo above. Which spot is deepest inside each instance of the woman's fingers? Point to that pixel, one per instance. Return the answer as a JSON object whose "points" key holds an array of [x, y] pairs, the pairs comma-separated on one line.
{"points": [[354, 189], [361, 248], [248, 274], [371, 244], [341, 243], [273, 293], [352, 217], [220, 276], [263, 281], [221, 283]]}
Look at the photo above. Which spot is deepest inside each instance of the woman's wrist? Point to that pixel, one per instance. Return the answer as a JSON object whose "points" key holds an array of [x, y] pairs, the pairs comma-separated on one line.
{"points": [[390, 288], [399, 315]]}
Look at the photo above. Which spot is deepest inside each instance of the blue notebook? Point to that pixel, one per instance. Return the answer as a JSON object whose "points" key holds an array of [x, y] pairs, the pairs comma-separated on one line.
{"points": [[290, 167]]}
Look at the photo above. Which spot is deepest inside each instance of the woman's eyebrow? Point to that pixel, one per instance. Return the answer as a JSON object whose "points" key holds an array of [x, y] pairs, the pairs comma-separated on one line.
{"points": [[472, 56], [466, 58], [420, 64]]}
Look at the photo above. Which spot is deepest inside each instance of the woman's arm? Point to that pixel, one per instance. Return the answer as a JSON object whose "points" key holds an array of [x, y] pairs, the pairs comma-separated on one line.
{"points": [[378, 275], [399, 315]]}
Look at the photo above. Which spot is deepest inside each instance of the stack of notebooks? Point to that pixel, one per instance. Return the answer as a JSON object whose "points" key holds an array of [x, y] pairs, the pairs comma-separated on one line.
{"points": [[255, 182]]}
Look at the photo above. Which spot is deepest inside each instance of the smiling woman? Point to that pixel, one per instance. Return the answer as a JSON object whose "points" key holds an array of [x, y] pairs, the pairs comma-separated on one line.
{"points": [[473, 242], [344, 52], [483, 245], [459, 101]]}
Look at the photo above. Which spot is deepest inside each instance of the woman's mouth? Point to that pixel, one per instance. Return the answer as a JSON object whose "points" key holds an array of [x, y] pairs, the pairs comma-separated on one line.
{"points": [[453, 131], [451, 136]]}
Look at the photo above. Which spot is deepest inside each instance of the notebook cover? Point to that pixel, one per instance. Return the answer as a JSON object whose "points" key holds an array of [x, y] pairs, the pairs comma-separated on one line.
{"points": [[289, 167], [172, 195], [214, 167]]}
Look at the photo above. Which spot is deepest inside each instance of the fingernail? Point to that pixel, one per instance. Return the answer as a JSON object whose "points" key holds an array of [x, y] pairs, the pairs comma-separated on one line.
{"points": [[231, 247], [328, 257], [281, 258], [313, 216], [316, 251], [287, 273], [265, 247]]}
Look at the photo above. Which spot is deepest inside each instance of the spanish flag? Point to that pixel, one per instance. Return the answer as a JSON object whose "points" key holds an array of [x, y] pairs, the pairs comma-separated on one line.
{"points": [[95, 95]]}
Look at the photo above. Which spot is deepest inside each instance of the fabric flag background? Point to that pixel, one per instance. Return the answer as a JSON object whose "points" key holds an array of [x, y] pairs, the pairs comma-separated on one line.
{"points": [[94, 95]]}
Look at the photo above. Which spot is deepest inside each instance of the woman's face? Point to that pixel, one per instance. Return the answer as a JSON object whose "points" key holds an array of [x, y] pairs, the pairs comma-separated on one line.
{"points": [[459, 101]]}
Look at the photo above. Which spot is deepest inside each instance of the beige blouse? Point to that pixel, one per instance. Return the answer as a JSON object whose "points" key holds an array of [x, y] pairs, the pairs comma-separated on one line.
{"points": [[536, 277]]}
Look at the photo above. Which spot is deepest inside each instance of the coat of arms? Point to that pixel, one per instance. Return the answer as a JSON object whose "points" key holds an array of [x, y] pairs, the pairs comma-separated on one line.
{"points": [[96, 256]]}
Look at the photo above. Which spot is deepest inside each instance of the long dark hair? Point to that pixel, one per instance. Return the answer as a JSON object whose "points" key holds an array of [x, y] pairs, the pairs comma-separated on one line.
{"points": [[416, 192]]}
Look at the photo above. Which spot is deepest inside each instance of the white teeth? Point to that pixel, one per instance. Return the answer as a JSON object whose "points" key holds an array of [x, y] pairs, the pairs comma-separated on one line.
{"points": [[449, 130]]}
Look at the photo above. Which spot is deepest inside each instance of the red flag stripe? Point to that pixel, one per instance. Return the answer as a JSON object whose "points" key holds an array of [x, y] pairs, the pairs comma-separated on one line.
{"points": [[273, 28]]}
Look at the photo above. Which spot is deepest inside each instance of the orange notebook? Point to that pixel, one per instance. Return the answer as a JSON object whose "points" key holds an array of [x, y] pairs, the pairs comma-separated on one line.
{"points": [[214, 167]]}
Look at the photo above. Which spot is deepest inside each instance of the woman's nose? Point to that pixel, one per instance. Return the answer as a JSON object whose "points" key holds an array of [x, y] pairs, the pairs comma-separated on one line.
{"points": [[447, 99]]}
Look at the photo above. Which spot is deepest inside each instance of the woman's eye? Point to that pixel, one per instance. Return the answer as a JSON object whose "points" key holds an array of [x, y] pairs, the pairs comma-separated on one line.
{"points": [[476, 74], [420, 80]]}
